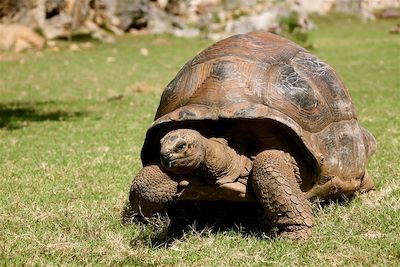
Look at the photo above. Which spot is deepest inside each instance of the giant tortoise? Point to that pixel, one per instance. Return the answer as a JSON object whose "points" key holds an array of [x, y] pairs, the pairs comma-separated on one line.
{"points": [[254, 117]]}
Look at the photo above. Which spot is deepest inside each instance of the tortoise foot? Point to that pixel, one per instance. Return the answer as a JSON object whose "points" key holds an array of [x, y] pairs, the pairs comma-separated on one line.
{"points": [[151, 192], [276, 187], [367, 184], [296, 233]]}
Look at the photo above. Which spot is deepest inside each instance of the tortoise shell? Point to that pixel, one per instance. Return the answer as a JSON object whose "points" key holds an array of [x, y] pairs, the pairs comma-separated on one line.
{"points": [[264, 77]]}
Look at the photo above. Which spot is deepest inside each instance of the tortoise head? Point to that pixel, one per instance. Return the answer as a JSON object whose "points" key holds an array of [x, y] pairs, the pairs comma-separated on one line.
{"points": [[182, 150]]}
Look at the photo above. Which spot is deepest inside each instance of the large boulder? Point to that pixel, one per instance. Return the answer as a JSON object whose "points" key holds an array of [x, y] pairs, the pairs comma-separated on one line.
{"points": [[18, 38]]}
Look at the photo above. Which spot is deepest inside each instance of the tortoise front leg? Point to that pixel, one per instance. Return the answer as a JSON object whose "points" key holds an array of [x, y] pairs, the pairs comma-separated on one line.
{"points": [[276, 187], [151, 191]]}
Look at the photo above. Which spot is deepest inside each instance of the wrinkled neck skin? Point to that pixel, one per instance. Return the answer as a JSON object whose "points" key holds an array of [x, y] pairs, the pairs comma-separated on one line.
{"points": [[221, 163]]}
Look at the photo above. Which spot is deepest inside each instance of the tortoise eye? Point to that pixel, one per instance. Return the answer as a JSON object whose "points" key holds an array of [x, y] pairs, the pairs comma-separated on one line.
{"points": [[180, 147]]}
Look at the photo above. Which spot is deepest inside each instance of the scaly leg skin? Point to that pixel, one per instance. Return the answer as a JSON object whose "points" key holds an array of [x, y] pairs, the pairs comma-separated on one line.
{"points": [[276, 187], [151, 191], [367, 184]]}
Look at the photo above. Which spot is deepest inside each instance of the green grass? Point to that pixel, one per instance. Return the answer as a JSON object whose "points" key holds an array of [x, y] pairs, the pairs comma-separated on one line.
{"points": [[72, 125]]}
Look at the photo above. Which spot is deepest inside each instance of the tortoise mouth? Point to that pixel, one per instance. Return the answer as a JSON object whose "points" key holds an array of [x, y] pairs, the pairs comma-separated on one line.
{"points": [[168, 162], [180, 164], [173, 162], [168, 159]]}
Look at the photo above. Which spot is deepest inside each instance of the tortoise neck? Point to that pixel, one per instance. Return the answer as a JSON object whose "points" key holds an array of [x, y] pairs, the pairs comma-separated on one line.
{"points": [[222, 162]]}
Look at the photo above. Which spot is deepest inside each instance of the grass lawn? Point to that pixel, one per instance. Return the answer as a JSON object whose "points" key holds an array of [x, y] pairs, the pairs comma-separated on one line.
{"points": [[72, 125]]}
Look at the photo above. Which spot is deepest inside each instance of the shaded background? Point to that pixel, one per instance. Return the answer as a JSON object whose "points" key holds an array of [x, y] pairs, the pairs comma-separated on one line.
{"points": [[212, 19]]}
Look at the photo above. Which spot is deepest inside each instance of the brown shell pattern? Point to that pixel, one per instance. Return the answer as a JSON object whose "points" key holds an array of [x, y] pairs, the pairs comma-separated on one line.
{"points": [[261, 75]]}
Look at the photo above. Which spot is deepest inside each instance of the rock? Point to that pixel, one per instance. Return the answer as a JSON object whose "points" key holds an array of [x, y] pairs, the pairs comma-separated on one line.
{"points": [[320, 7], [186, 32], [78, 10], [161, 22], [110, 59], [364, 8], [52, 43], [21, 45], [53, 46], [144, 51], [234, 4], [395, 29], [176, 7], [388, 13], [130, 13], [266, 21], [57, 26], [98, 33], [60, 18], [9, 8], [19, 38], [53, 7], [162, 3], [74, 47], [87, 45], [134, 31]]}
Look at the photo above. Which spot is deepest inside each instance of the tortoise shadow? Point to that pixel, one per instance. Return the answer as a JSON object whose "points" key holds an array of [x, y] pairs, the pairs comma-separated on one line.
{"points": [[198, 218], [209, 218], [15, 115]]}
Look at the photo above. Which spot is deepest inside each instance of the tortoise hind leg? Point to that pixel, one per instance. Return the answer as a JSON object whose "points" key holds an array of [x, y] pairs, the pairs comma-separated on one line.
{"points": [[367, 184], [151, 191], [276, 187]]}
